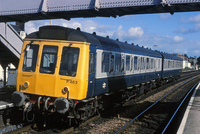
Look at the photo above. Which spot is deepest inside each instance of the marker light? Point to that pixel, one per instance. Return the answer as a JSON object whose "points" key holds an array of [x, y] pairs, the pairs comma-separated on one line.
{"points": [[65, 90], [26, 84]]}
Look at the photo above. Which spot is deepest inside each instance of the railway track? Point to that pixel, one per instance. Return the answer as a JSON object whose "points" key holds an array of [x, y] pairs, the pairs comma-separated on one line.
{"points": [[120, 116], [33, 129], [148, 115], [112, 114]]}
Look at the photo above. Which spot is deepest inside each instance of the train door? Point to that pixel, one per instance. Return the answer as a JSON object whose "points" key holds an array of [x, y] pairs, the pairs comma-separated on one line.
{"points": [[92, 63]]}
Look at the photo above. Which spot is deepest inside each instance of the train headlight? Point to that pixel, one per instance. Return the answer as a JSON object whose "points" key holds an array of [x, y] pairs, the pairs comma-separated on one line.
{"points": [[65, 90], [26, 84], [61, 104], [18, 98]]}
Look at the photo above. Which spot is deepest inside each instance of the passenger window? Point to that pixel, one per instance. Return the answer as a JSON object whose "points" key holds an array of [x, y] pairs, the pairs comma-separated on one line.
{"points": [[139, 63], [147, 64], [151, 63], [69, 61], [131, 63], [158, 63], [91, 63], [127, 62], [122, 65], [143, 63], [168, 64], [135, 62], [117, 62], [105, 62], [111, 63]]}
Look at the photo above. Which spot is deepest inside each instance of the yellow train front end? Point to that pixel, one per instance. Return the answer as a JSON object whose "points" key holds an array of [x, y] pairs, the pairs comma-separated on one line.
{"points": [[52, 75], [53, 68]]}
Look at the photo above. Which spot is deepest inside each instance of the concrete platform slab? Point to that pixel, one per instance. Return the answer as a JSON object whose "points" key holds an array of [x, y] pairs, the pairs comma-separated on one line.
{"points": [[191, 121]]}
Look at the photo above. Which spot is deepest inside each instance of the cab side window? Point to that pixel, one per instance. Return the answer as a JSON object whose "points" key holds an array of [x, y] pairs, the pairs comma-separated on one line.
{"points": [[91, 63]]}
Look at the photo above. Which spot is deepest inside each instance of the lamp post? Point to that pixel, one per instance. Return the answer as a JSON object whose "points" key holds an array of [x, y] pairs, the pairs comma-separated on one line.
{"points": [[153, 46]]}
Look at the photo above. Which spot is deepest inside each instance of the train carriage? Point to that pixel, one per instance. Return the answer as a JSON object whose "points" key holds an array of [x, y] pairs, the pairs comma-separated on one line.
{"points": [[69, 71], [172, 66]]}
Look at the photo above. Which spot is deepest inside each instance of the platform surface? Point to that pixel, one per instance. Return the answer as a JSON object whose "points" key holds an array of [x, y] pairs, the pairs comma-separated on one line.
{"points": [[191, 121], [5, 105]]}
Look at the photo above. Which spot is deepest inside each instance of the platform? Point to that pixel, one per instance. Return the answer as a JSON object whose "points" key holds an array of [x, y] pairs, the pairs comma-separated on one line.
{"points": [[191, 121], [5, 105]]}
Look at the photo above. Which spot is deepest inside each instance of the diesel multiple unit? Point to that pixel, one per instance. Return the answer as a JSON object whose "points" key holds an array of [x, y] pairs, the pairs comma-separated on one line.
{"points": [[70, 72]]}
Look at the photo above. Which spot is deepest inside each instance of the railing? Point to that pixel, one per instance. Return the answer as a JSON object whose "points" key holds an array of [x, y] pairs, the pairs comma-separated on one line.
{"points": [[11, 39]]}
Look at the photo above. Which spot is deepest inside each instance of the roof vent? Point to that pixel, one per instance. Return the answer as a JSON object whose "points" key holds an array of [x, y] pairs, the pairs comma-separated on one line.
{"points": [[117, 39], [94, 33], [78, 28]]}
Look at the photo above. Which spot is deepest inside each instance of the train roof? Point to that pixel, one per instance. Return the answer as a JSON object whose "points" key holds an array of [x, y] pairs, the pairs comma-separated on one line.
{"points": [[170, 56], [62, 33]]}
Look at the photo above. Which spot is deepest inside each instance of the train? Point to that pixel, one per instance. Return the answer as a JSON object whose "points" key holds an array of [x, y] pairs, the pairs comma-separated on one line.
{"points": [[74, 73]]}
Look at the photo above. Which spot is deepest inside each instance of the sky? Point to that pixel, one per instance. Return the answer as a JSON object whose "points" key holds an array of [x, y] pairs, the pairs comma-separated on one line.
{"points": [[177, 33]]}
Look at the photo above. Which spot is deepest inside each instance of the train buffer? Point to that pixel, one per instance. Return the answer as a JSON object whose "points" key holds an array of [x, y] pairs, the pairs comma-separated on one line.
{"points": [[191, 121]]}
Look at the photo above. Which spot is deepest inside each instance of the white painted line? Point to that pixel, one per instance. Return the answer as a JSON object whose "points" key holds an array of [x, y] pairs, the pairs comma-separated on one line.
{"points": [[184, 120], [5, 106]]}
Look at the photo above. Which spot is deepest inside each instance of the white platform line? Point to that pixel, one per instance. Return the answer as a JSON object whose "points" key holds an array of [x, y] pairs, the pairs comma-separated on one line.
{"points": [[5, 106], [183, 122]]}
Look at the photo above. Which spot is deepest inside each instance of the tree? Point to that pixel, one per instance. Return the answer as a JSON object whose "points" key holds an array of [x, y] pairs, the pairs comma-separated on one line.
{"points": [[186, 55], [198, 60]]}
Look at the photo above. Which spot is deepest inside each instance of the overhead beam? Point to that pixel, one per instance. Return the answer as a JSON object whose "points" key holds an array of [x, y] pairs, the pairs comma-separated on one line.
{"points": [[26, 10]]}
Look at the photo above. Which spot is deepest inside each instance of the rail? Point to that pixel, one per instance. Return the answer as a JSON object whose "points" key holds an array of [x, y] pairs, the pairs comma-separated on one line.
{"points": [[180, 105], [130, 123]]}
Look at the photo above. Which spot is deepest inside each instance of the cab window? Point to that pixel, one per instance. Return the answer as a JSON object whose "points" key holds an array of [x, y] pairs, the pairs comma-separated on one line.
{"points": [[48, 60], [30, 58], [69, 61]]}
